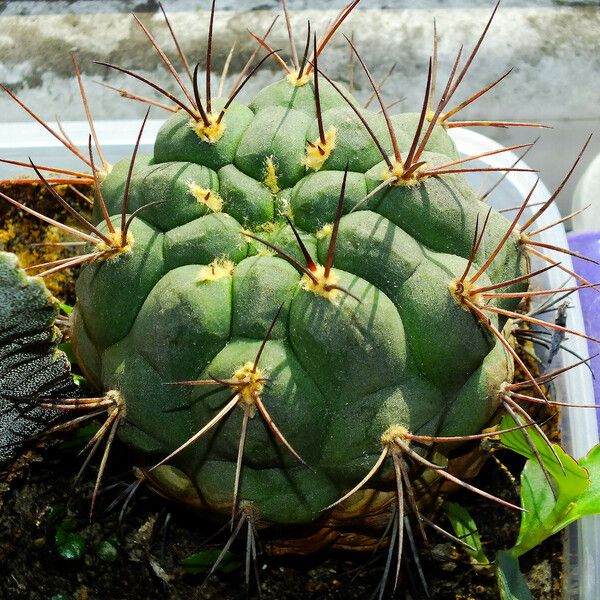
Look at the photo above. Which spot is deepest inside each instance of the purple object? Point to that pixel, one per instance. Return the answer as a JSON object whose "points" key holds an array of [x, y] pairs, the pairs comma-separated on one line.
{"points": [[588, 244]]}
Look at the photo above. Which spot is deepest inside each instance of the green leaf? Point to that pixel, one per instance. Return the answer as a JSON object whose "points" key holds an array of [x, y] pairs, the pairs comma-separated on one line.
{"points": [[69, 545], [574, 481], [465, 528], [67, 348], [589, 501], [201, 562], [576, 492], [511, 583], [538, 499], [79, 380], [66, 308]]}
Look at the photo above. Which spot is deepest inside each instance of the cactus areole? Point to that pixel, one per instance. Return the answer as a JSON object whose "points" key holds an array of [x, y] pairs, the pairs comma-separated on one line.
{"points": [[294, 296]]}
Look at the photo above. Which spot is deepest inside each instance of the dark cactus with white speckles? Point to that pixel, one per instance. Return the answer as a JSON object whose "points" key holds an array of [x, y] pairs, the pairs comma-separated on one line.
{"points": [[32, 368]]}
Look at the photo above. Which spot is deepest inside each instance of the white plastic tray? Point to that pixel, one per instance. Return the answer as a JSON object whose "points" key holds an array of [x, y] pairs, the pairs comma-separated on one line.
{"points": [[579, 426], [579, 431]]}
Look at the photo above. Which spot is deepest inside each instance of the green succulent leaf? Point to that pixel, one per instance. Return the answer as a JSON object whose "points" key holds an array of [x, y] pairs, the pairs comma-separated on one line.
{"points": [[511, 583], [79, 381], [465, 528], [576, 492], [78, 438]]}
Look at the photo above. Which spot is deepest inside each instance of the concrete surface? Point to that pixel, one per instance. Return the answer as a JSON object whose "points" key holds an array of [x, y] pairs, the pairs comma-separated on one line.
{"points": [[553, 49], [28, 7]]}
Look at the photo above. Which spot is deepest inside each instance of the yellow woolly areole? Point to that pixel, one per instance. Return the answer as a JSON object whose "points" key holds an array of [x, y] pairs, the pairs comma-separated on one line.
{"points": [[102, 174], [271, 179], [429, 115], [210, 133], [118, 402], [217, 269], [461, 290], [322, 285], [440, 120], [206, 196], [325, 231], [318, 152], [395, 431], [285, 209], [112, 251], [398, 171], [293, 78], [268, 227], [248, 383]]}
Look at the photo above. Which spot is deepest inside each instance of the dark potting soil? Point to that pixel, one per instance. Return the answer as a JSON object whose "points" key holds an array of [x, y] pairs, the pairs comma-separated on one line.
{"points": [[140, 557]]}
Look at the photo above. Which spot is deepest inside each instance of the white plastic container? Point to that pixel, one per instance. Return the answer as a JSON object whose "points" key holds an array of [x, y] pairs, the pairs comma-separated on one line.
{"points": [[18, 141], [579, 427], [587, 193]]}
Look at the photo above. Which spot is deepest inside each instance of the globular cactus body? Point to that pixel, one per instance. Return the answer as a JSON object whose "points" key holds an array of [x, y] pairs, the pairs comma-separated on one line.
{"points": [[381, 342]]}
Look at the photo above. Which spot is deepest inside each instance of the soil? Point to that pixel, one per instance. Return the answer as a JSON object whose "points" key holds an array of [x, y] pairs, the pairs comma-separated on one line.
{"points": [[30, 239], [50, 550], [155, 536]]}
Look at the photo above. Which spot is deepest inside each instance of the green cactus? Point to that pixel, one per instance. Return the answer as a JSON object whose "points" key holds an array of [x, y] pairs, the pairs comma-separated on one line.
{"points": [[379, 341]]}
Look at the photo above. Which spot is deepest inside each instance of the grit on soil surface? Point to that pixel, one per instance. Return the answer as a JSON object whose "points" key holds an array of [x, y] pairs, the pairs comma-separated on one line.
{"points": [[154, 537]]}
